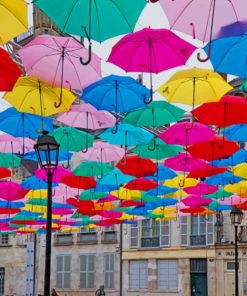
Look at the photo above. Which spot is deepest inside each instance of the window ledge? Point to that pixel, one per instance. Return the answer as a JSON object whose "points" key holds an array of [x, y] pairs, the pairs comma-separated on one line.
{"points": [[6, 246], [87, 242], [58, 244]]}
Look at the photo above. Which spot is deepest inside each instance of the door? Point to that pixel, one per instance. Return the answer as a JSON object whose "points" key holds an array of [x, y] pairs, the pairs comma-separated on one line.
{"points": [[199, 284], [229, 284]]}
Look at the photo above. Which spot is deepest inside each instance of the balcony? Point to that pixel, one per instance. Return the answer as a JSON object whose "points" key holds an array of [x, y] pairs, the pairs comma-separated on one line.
{"points": [[63, 239], [109, 237], [150, 242], [198, 240], [87, 238]]}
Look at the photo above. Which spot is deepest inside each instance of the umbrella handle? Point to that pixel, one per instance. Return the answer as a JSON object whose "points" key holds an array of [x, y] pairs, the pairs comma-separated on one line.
{"points": [[114, 130], [154, 146], [85, 63], [148, 101], [181, 183], [86, 149]]}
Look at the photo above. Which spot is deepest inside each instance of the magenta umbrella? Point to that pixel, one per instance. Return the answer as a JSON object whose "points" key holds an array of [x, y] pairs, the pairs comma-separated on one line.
{"points": [[103, 152], [87, 117], [10, 144], [150, 51], [204, 20], [186, 133], [196, 201], [58, 174], [56, 60], [185, 163], [201, 189]]}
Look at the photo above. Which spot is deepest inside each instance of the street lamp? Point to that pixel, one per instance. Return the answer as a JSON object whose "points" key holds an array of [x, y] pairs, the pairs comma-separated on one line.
{"points": [[47, 150], [236, 218]]}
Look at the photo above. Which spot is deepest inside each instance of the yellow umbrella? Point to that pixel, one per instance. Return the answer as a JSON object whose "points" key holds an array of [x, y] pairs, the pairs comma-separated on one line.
{"points": [[163, 211], [104, 206], [239, 188], [194, 86], [36, 194], [179, 193], [240, 170], [34, 96], [124, 193], [13, 19], [69, 229], [181, 181]]}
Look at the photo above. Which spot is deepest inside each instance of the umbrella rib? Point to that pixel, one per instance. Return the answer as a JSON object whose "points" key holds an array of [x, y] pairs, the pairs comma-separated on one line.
{"points": [[16, 16]]}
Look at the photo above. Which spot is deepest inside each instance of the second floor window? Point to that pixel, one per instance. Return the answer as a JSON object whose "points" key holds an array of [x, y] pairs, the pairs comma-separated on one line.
{"points": [[87, 271], [63, 272]]}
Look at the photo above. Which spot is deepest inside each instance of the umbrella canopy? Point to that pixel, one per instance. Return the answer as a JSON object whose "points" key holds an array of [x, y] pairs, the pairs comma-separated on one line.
{"points": [[11, 191], [92, 168], [196, 201], [57, 175], [56, 60], [115, 177], [78, 182], [141, 184], [228, 111], [238, 133], [8, 160], [13, 19], [33, 96], [186, 133], [212, 149], [87, 117], [223, 50], [201, 189], [137, 166], [194, 86], [10, 144], [202, 19], [116, 93], [102, 19], [35, 183], [156, 113], [9, 72], [23, 125], [103, 152]]}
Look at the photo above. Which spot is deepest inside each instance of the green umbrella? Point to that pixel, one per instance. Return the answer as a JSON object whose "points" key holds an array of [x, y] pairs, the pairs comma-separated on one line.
{"points": [[157, 150], [155, 114], [8, 160], [92, 168], [94, 19], [149, 198], [92, 195], [219, 194]]}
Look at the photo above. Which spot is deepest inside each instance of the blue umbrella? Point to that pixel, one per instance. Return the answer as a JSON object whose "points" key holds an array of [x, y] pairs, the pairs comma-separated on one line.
{"points": [[163, 173], [116, 93], [115, 177], [229, 54], [161, 190], [236, 158], [237, 132], [162, 202], [62, 156], [35, 183], [223, 179], [24, 125]]}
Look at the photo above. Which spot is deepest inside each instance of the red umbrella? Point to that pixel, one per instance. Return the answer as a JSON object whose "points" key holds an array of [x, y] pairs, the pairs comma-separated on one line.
{"points": [[130, 203], [9, 72], [228, 111], [196, 211], [79, 182], [141, 184], [213, 149], [4, 173], [137, 166], [210, 170]]}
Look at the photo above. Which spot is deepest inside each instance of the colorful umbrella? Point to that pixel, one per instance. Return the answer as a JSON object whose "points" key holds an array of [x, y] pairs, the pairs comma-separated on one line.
{"points": [[92, 168], [12, 191], [56, 60], [238, 133], [215, 148], [8, 160], [87, 117], [58, 174], [35, 183], [152, 51], [9, 72], [223, 179], [78, 182], [10, 144], [194, 87], [115, 177], [137, 166], [201, 189], [141, 184], [34, 96], [228, 111], [13, 19], [4, 173]]}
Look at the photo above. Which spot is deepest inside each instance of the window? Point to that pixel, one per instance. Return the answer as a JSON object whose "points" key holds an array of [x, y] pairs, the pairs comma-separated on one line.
{"points": [[167, 275], [63, 271], [134, 235], [87, 236], [231, 265], [4, 239], [109, 234], [2, 280], [198, 230], [150, 233], [109, 270], [138, 274], [87, 271], [63, 238]]}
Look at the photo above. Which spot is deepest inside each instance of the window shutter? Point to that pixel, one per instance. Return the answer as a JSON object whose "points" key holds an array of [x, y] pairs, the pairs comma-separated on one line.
{"points": [[109, 270], [184, 230], [165, 233], [67, 274], [210, 229], [134, 235]]}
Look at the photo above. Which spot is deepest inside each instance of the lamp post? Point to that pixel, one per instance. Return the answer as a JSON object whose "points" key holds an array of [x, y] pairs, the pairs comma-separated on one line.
{"points": [[236, 218], [47, 150]]}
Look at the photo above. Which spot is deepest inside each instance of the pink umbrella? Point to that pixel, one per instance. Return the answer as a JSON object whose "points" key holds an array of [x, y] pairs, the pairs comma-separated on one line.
{"points": [[205, 19], [234, 200], [186, 133], [64, 192], [109, 197], [185, 162], [56, 60], [150, 50], [201, 189], [11, 191], [58, 174], [10, 144], [196, 201], [87, 117], [103, 152]]}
